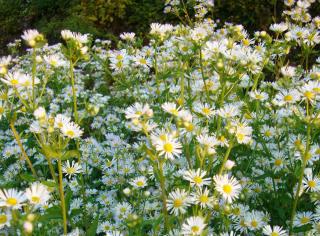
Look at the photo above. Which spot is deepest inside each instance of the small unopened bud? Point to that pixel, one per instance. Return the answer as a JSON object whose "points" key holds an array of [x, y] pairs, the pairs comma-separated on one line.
{"points": [[28, 227], [229, 164], [146, 193], [127, 191], [220, 64], [308, 171], [31, 217], [50, 129], [38, 59], [40, 113]]}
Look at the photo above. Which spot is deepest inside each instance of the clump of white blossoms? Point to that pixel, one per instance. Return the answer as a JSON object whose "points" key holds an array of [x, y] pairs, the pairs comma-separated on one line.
{"points": [[205, 129]]}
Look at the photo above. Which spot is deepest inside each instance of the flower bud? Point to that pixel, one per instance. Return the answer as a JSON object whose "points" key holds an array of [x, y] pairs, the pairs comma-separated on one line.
{"points": [[229, 164], [28, 227], [127, 191], [40, 113]]}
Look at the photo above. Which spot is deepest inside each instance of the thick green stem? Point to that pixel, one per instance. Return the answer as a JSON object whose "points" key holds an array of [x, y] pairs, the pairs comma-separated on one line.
{"points": [[62, 200], [74, 94], [23, 152], [34, 68], [304, 164], [226, 156], [203, 77], [163, 195]]}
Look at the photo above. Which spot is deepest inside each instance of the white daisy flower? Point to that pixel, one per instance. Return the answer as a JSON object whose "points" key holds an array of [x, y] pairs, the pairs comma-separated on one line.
{"points": [[11, 198], [193, 226], [71, 169], [196, 177], [38, 194], [229, 188], [178, 201]]}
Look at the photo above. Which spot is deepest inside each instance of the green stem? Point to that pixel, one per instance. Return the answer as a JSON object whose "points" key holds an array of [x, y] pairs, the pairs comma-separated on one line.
{"points": [[304, 164], [226, 156], [164, 196], [63, 204], [23, 152], [203, 77], [34, 68], [74, 94]]}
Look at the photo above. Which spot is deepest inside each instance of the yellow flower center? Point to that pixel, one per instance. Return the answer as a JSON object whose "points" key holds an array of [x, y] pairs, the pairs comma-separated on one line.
{"points": [[168, 147], [1, 110], [35, 199], [173, 111], [189, 127], [240, 136], [227, 188], [3, 219], [278, 162], [259, 96], [268, 133], [119, 57], [140, 183], [222, 138], [177, 203], [163, 137], [14, 82], [195, 229], [206, 111], [70, 133], [143, 61], [12, 201], [297, 142], [197, 179], [288, 98], [309, 95], [71, 170], [274, 234], [254, 223], [305, 220], [203, 199], [308, 156], [312, 184]]}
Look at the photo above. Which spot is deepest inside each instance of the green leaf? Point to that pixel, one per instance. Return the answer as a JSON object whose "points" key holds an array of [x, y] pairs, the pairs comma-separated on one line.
{"points": [[51, 213], [70, 154], [49, 184], [93, 227], [49, 152], [28, 177]]}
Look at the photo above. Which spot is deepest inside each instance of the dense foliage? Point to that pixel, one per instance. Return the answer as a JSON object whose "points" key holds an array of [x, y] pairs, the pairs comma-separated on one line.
{"points": [[197, 128], [105, 18]]}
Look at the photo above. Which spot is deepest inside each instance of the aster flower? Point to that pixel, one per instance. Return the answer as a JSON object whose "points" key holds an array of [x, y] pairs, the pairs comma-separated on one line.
{"points": [[5, 218], [37, 194], [169, 148], [193, 226], [274, 231], [178, 201], [71, 169], [12, 198], [196, 177], [139, 182], [229, 188], [71, 130]]}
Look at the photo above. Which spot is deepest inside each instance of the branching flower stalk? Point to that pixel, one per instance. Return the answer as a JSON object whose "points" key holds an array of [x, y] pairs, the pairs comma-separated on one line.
{"points": [[62, 199], [34, 68], [23, 152], [304, 164]]}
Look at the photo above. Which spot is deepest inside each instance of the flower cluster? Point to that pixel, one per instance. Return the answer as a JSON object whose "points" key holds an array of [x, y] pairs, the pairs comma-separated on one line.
{"points": [[204, 130]]}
